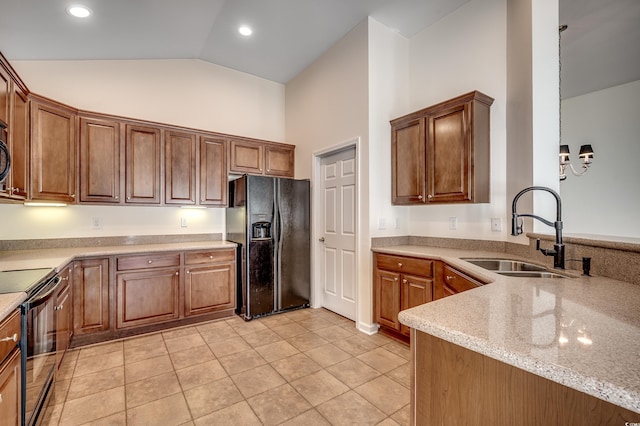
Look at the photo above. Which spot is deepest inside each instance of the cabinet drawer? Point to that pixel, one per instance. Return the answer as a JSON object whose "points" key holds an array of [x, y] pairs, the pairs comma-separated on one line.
{"points": [[198, 257], [408, 265], [457, 282], [9, 333], [148, 261]]}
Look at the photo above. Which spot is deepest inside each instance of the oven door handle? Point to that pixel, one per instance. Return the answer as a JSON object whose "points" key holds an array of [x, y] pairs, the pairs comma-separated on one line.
{"points": [[43, 298]]}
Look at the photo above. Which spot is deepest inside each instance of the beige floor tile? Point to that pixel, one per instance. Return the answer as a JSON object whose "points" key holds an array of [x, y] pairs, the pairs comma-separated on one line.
{"points": [[61, 389], [93, 407], [307, 341], [319, 387], [229, 346], [399, 349], [144, 351], [212, 397], [382, 360], [200, 374], [142, 340], [327, 355], [99, 349], [278, 405], [151, 389], [315, 323], [99, 381], [401, 375], [243, 361], [353, 372], [289, 330], [403, 415], [388, 422], [191, 356], [70, 357], [147, 368], [350, 409], [92, 364], [300, 314], [52, 415], [333, 333], [184, 342], [261, 338], [355, 345], [380, 339], [210, 325], [278, 350], [118, 419], [295, 366], [179, 332], [239, 414], [308, 418], [247, 327], [275, 320], [257, 380], [219, 333], [66, 371], [385, 394], [168, 411]]}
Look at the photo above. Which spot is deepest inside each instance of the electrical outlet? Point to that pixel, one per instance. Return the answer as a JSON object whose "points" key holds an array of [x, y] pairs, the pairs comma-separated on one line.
{"points": [[183, 222], [382, 223], [453, 223], [96, 223], [496, 224]]}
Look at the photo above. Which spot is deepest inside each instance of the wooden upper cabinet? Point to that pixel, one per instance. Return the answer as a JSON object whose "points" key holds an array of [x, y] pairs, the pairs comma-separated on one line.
{"points": [[142, 160], [408, 161], [450, 142], [213, 171], [180, 168], [99, 160], [258, 158], [19, 144], [53, 152], [5, 95]]}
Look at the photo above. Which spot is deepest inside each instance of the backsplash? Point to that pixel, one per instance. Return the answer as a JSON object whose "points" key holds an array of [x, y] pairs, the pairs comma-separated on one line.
{"points": [[617, 260]]}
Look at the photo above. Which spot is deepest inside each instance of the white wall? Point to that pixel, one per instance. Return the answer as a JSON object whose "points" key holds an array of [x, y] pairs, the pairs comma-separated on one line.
{"points": [[462, 52], [606, 200], [327, 105], [189, 93]]}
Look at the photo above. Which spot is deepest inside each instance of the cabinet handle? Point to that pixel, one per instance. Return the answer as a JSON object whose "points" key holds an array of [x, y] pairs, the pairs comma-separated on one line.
{"points": [[188, 272], [64, 279], [1, 398], [404, 281], [449, 277], [429, 196], [116, 197], [211, 257], [395, 279], [13, 338], [128, 198], [177, 273], [150, 262], [73, 195], [419, 197], [399, 265]]}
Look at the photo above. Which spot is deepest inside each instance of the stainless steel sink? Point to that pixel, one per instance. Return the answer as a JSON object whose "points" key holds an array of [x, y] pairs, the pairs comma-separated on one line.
{"points": [[504, 265], [530, 274]]}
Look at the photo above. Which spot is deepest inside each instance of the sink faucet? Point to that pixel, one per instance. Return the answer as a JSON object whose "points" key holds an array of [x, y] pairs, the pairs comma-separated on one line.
{"points": [[516, 229]]}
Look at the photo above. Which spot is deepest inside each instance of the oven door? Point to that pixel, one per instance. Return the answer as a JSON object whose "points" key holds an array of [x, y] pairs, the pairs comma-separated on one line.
{"points": [[39, 353]]}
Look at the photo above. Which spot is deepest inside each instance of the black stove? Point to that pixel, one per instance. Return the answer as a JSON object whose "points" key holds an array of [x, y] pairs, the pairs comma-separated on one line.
{"points": [[27, 280]]}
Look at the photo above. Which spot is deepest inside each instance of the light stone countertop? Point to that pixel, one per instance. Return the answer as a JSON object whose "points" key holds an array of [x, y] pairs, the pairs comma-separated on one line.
{"points": [[58, 258], [582, 332]]}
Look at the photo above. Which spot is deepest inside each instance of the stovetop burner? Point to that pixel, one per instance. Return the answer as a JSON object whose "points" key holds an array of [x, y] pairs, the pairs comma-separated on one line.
{"points": [[23, 280]]}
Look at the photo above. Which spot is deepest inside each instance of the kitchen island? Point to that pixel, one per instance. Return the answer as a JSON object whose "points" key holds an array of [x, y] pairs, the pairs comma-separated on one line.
{"points": [[582, 333]]}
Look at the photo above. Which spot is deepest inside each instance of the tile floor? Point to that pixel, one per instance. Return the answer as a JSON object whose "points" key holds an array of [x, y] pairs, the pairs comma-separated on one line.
{"points": [[307, 367]]}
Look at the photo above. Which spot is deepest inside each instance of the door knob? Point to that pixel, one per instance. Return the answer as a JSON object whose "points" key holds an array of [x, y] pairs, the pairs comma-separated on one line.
{"points": [[321, 239]]}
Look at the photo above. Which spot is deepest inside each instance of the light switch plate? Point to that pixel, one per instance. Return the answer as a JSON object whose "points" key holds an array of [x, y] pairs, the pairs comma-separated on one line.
{"points": [[453, 223], [96, 223], [183, 222]]}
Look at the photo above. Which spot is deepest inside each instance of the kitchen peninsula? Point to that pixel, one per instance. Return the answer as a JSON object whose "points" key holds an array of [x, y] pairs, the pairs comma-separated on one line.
{"points": [[516, 350]]}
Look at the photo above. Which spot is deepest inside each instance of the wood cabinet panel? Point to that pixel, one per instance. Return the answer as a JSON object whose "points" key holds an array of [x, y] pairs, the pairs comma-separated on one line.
{"points": [[91, 296], [387, 298], [246, 157], [99, 160], [180, 168], [19, 145], [279, 161], [10, 390], [409, 265], [159, 260], [408, 147], [142, 164], [209, 288], [218, 256], [53, 165], [147, 297], [454, 282], [213, 171], [63, 309], [415, 291], [9, 330], [5, 95]]}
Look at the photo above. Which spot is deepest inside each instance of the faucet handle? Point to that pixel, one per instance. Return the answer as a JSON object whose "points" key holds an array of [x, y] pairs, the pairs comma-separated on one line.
{"points": [[538, 244]]}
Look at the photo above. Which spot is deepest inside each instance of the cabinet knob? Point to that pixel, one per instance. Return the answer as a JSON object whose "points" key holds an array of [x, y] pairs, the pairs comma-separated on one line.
{"points": [[177, 273], [211, 257], [429, 196], [150, 262], [188, 272], [64, 279], [1, 398], [128, 198], [13, 338], [116, 197], [449, 277], [395, 279], [419, 197], [73, 195], [399, 264], [404, 281]]}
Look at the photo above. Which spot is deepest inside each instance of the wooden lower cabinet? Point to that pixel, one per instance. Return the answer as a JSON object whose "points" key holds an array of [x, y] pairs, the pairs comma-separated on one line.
{"points": [[91, 296], [63, 311], [147, 297], [452, 385], [454, 282], [10, 389], [415, 291]]}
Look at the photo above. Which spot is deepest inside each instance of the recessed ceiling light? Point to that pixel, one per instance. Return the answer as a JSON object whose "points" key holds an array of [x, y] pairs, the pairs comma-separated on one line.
{"points": [[245, 30], [79, 11]]}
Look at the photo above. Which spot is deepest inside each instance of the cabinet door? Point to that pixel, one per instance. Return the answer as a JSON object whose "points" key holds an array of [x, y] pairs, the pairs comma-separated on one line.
{"points": [[246, 157], [91, 296], [455, 282], [147, 297], [5, 95], [415, 291], [279, 160], [209, 288], [63, 314], [387, 299], [142, 159], [99, 160], [10, 390], [213, 172], [53, 165], [449, 155], [19, 144], [408, 140], [180, 168]]}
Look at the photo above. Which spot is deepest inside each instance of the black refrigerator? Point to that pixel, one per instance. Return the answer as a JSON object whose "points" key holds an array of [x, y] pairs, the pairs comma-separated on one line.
{"points": [[269, 219]]}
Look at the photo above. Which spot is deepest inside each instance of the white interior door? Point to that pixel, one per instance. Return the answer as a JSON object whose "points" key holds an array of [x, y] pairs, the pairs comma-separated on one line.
{"points": [[338, 232]]}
